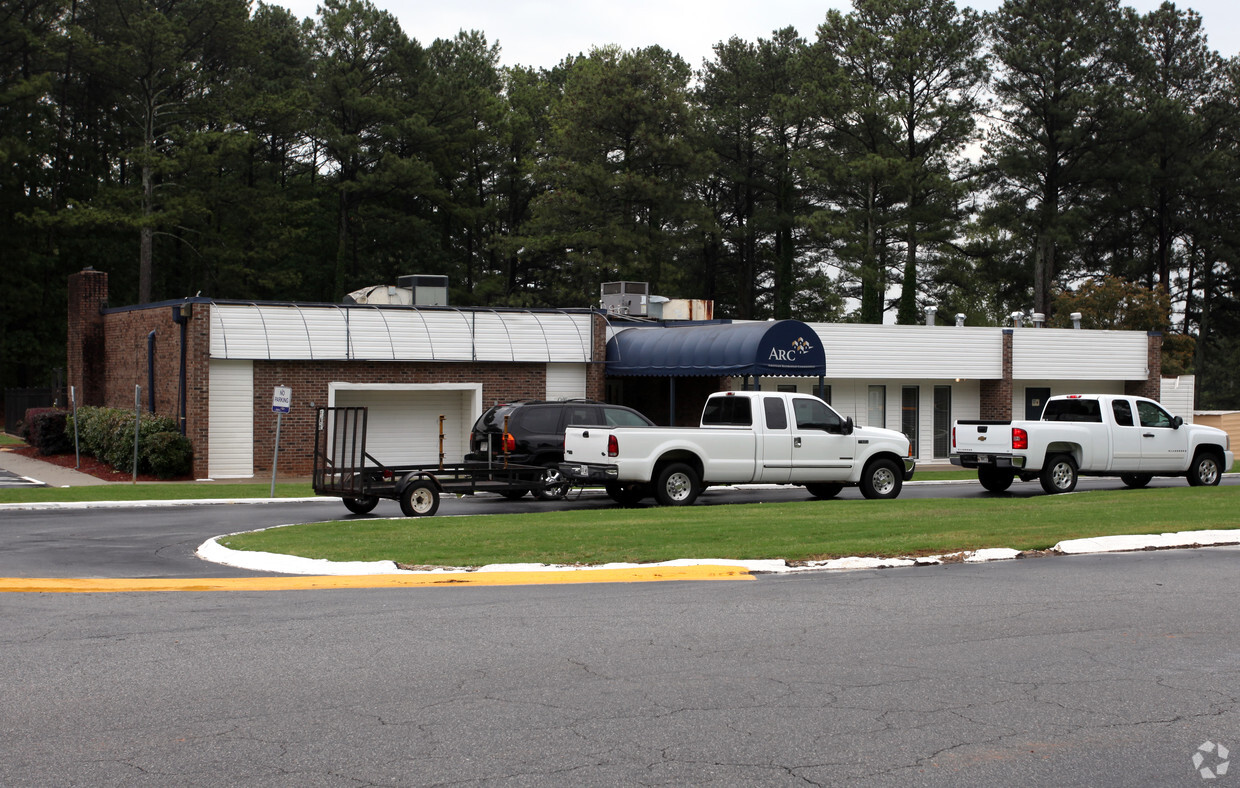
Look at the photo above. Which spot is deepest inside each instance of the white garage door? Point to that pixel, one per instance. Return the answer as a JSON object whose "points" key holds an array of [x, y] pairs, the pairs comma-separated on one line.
{"points": [[230, 420], [402, 427], [566, 381]]}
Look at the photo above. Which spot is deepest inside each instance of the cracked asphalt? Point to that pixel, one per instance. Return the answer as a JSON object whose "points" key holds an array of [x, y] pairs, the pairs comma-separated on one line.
{"points": [[1093, 670]]}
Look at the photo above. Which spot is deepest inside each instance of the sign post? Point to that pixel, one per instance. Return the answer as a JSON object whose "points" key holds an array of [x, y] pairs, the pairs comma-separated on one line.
{"points": [[281, 403]]}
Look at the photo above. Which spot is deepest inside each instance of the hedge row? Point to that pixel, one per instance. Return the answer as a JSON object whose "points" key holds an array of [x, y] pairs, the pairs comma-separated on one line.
{"points": [[107, 435]]}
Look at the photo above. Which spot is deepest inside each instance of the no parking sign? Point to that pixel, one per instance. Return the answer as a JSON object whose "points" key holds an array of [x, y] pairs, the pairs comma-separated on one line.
{"points": [[282, 399]]}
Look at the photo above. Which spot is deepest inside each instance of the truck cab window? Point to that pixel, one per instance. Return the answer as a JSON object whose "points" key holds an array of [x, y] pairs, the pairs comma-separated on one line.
{"points": [[1152, 415], [1086, 410], [812, 414], [727, 411], [776, 415], [1123, 412]]}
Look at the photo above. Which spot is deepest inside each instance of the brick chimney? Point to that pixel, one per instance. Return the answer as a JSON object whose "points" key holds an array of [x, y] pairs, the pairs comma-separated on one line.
{"points": [[88, 295]]}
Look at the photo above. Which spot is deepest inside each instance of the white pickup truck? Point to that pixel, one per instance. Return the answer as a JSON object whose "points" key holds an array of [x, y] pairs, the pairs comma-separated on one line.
{"points": [[1091, 435], [745, 437]]}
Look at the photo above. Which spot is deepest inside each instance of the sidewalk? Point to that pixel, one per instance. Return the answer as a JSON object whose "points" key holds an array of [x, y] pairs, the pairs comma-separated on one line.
{"points": [[46, 472]]}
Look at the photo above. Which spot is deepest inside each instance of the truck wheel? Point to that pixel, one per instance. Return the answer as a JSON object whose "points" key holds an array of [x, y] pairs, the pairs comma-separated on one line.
{"points": [[677, 485], [824, 491], [1206, 470], [626, 494], [996, 480], [555, 485], [1059, 475], [363, 505], [881, 479], [419, 499], [1135, 480]]}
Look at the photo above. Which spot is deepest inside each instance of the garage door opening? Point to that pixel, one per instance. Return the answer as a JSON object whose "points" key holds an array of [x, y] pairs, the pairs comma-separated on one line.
{"points": [[403, 419]]}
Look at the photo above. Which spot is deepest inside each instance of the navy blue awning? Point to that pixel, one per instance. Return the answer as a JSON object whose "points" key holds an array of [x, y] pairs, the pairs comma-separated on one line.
{"points": [[777, 348]]}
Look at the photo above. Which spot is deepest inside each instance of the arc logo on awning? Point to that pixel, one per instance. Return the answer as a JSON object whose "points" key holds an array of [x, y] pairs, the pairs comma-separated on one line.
{"points": [[799, 347]]}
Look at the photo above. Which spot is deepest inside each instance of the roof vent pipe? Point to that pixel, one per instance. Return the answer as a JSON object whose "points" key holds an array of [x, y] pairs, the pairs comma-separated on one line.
{"points": [[931, 309], [1076, 320], [1016, 319], [1038, 319], [959, 319]]}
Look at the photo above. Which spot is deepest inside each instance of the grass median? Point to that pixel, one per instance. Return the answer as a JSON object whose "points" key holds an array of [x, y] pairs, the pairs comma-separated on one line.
{"points": [[797, 531], [152, 491]]}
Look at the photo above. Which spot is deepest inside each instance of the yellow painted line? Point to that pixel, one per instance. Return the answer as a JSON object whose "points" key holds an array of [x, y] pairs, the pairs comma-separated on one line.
{"points": [[72, 585]]}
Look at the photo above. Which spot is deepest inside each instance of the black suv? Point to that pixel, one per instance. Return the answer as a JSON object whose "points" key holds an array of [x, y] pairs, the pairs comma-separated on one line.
{"points": [[535, 434]]}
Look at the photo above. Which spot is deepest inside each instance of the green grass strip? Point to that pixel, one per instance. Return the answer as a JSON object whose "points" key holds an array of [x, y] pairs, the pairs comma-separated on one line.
{"points": [[155, 491], [797, 531]]}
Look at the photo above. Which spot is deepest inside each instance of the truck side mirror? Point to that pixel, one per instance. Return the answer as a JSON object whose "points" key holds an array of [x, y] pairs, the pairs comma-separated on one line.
{"points": [[848, 426], [1176, 423]]}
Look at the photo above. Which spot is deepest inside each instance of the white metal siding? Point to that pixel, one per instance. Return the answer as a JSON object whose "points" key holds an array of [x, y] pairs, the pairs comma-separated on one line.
{"points": [[326, 332], [230, 419], [1067, 354], [879, 351], [402, 421], [566, 381], [1177, 396]]}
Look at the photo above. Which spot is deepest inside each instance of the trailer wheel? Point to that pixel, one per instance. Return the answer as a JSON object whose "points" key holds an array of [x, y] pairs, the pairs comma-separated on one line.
{"points": [[824, 491], [996, 480], [881, 479], [1206, 470], [362, 505], [626, 494], [555, 485], [1059, 475], [677, 485], [1135, 480], [419, 499]]}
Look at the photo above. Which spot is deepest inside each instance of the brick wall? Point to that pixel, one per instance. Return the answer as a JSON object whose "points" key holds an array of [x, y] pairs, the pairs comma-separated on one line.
{"points": [[1151, 387], [996, 395], [309, 381]]}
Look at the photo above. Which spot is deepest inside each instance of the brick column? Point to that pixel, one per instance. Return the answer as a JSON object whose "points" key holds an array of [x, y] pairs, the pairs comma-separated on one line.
{"points": [[1151, 387], [996, 395], [86, 340], [596, 371]]}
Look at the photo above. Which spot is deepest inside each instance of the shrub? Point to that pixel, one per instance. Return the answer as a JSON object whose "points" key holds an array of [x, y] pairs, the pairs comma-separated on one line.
{"points": [[107, 434], [168, 454], [45, 430]]}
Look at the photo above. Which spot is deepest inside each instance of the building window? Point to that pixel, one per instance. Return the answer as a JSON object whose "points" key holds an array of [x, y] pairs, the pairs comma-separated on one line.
{"points": [[942, 421], [876, 415], [910, 397]]}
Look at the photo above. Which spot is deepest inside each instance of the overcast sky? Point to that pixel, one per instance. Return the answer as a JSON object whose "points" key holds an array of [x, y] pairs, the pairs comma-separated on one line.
{"points": [[541, 33]]}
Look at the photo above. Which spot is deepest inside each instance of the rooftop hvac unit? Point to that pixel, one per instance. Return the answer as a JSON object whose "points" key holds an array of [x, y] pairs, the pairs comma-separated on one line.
{"points": [[427, 290], [625, 298]]}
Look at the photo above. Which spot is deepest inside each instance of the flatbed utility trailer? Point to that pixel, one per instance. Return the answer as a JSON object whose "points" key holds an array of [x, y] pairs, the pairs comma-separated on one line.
{"points": [[344, 469]]}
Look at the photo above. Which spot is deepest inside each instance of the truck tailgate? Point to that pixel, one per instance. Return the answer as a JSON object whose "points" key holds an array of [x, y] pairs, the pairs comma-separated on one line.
{"points": [[586, 444], [983, 437]]}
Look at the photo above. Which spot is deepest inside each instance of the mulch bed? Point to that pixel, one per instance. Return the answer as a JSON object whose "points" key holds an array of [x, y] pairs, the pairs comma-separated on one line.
{"points": [[96, 468]]}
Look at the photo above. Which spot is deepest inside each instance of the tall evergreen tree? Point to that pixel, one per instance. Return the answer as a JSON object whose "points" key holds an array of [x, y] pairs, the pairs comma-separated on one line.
{"points": [[1056, 107]]}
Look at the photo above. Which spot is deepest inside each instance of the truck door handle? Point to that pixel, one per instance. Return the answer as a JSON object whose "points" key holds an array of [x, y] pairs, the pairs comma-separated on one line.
{"points": [[796, 443], [1148, 435]]}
